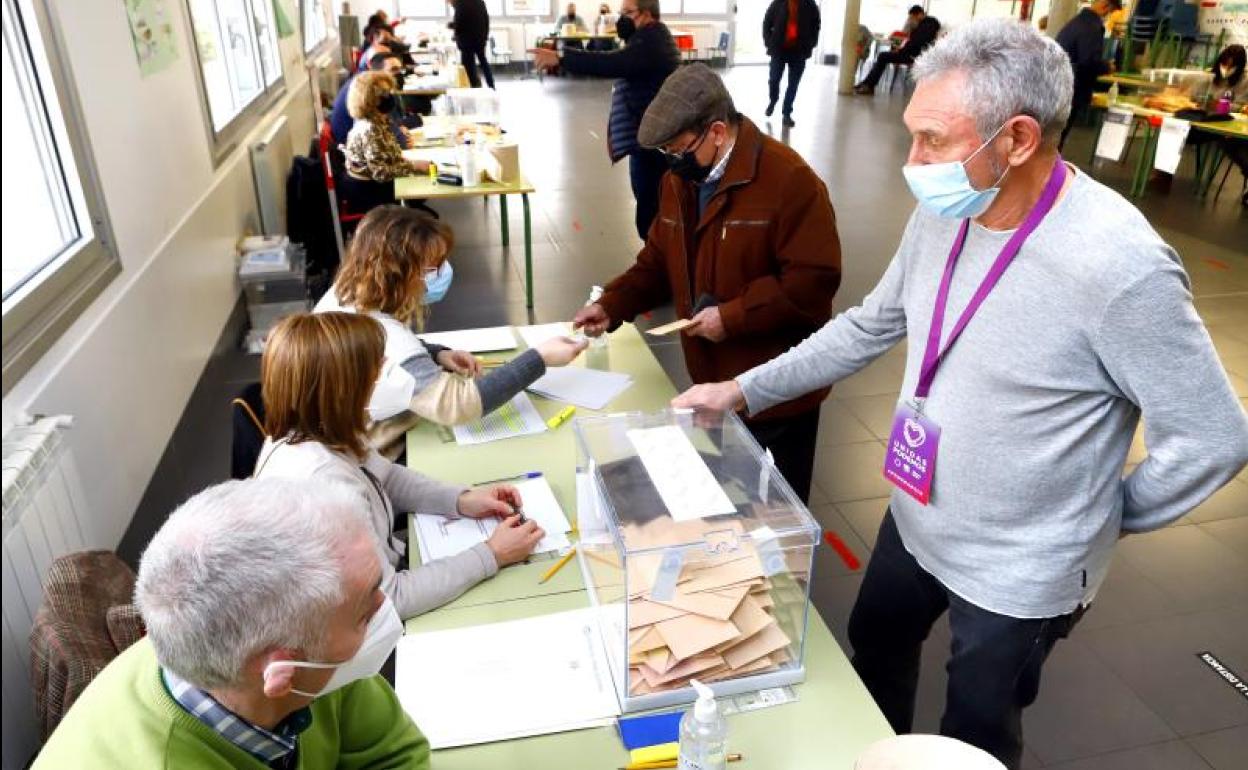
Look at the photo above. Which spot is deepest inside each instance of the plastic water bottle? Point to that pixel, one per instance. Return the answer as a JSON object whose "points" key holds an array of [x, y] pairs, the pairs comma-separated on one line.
{"points": [[1113, 94], [600, 341], [703, 734]]}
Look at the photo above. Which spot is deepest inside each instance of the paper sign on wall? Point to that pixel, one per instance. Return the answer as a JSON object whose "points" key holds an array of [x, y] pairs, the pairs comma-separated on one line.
{"points": [[151, 29], [1114, 133], [1170, 142]]}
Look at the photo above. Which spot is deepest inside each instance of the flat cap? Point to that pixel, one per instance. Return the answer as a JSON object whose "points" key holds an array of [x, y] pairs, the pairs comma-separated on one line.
{"points": [[688, 97]]}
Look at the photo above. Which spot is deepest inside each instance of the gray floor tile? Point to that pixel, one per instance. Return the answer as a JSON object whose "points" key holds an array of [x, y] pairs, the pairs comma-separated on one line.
{"points": [[1171, 755], [1188, 566], [830, 520], [879, 378], [837, 425], [1128, 595], [1232, 533], [851, 471], [1224, 749], [1085, 710], [833, 596], [865, 517], [1158, 660], [875, 412]]}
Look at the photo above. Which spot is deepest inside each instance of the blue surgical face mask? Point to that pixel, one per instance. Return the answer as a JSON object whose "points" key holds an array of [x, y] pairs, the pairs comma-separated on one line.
{"points": [[945, 189], [438, 282]]}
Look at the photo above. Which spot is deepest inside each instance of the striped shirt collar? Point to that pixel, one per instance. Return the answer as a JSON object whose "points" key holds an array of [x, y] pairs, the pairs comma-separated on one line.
{"points": [[265, 745]]}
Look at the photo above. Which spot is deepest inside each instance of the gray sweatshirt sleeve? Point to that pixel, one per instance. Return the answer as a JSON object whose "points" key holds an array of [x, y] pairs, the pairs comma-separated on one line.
{"points": [[413, 492], [844, 345], [427, 586], [495, 388], [1156, 349]]}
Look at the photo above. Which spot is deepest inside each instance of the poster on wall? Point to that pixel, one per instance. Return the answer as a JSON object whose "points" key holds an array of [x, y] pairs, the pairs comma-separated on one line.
{"points": [[151, 28], [528, 7], [1229, 15]]}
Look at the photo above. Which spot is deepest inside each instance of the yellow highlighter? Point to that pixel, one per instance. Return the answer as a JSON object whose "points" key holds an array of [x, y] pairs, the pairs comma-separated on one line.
{"points": [[561, 418]]}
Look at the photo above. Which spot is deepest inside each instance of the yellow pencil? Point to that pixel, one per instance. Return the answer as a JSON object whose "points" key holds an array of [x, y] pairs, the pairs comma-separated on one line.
{"points": [[668, 763], [567, 557]]}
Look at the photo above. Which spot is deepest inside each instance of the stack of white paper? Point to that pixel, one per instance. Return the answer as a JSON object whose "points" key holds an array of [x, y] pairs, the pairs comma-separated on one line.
{"points": [[500, 681], [439, 537], [586, 388], [474, 340], [687, 486], [517, 417]]}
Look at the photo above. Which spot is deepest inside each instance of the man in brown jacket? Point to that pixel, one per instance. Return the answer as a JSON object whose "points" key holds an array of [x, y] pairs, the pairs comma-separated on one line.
{"points": [[744, 245]]}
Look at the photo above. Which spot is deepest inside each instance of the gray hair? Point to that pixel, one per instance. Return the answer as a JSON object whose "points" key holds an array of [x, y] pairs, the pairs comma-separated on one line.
{"points": [[243, 567], [1010, 70]]}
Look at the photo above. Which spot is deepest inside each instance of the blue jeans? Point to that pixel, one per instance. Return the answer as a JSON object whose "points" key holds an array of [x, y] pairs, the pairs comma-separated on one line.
{"points": [[994, 663], [796, 65], [645, 173]]}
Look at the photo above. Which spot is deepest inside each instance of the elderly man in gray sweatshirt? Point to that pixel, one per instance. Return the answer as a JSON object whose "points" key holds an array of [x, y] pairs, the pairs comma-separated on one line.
{"points": [[1038, 343]]}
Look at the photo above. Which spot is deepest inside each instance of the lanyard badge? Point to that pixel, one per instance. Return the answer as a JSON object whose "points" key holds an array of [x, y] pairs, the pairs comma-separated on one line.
{"points": [[910, 460]]}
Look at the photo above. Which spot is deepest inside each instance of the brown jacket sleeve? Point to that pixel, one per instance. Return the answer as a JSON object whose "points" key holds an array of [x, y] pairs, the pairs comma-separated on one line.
{"points": [[643, 286], [808, 253]]}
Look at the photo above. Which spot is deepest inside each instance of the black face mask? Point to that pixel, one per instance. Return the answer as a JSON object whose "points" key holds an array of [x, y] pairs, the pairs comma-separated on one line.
{"points": [[399, 77], [386, 104], [625, 27], [685, 164]]}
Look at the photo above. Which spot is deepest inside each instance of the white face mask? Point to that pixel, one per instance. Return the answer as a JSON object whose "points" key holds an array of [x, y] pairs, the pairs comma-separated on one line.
{"points": [[384, 631], [393, 392]]}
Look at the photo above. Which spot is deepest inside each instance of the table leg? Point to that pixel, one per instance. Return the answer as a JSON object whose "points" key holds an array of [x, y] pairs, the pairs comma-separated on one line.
{"points": [[1100, 126], [502, 207], [1144, 163], [528, 252]]}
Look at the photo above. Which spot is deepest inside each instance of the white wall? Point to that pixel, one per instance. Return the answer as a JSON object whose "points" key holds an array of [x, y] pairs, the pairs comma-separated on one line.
{"points": [[126, 368]]}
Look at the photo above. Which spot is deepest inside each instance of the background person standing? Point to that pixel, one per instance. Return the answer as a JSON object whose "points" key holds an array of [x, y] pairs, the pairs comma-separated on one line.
{"points": [[790, 32], [472, 32], [1083, 40]]}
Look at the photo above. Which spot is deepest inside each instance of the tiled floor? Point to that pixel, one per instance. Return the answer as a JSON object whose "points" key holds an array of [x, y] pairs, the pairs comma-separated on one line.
{"points": [[1126, 690]]}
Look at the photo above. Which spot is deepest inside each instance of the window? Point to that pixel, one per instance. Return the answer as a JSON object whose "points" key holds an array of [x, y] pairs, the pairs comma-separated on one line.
{"points": [[315, 23], [55, 257], [236, 42]]}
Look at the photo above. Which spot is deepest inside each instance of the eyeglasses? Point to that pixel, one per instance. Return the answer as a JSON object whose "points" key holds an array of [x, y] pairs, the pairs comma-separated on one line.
{"points": [[691, 147]]}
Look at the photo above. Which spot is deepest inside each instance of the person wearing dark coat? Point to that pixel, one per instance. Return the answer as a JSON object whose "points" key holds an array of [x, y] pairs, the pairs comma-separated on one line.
{"points": [[790, 32], [1083, 39], [471, 23], [649, 55], [925, 31]]}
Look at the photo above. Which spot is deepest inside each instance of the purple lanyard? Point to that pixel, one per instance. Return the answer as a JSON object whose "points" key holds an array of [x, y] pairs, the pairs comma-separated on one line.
{"points": [[933, 355]]}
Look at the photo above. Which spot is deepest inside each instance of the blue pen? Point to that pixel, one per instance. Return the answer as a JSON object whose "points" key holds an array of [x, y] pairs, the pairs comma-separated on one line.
{"points": [[517, 477]]}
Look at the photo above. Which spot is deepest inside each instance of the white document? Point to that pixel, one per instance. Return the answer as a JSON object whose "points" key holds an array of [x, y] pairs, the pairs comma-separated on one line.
{"points": [[536, 335], [586, 388], [1170, 141], [440, 537], [495, 682], [474, 340], [517, 417], [687, 487], [1114, 133]]}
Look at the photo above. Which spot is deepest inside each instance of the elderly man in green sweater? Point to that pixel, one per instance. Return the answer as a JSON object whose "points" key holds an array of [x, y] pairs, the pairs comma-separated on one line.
{"points": [[266, 628]]}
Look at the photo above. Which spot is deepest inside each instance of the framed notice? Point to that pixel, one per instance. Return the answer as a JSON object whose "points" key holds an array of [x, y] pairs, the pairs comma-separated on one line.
{"points": [[528, 7], [1170, 141], [1114, 133]]}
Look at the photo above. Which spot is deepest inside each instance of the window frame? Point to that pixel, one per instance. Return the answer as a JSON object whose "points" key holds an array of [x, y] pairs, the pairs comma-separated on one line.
{"points": [[331, 32], [44, 307], [224, 141]]}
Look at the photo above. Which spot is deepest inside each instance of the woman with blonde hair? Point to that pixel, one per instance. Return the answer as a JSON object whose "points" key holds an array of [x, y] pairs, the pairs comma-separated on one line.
{"points": [[317, 375], [396, 267], [373, 157]]}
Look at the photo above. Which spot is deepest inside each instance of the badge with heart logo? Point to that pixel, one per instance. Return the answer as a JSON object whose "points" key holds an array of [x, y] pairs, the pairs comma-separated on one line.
{"points": [[911, 458]]}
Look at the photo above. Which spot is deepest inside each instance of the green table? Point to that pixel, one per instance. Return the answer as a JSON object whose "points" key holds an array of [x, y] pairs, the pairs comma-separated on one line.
{"points": [[834, 718]]}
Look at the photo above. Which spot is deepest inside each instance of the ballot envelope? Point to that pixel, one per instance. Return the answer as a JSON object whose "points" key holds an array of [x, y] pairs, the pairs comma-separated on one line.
{"points": [[697, 553]]}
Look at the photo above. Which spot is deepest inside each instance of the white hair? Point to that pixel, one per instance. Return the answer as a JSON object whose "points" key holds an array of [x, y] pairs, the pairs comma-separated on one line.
{"points": [[1010, 68], [243, 567]]}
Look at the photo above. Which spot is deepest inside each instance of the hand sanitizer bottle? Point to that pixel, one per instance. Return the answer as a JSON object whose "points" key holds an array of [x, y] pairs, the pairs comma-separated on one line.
{"points": [[703, 734], [600, 341], [1113, 94]]}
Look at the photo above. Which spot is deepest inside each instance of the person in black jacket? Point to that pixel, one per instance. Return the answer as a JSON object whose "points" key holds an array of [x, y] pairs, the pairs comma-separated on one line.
{"points": [[1083, 39], [471, 23], [925, 31], [790, 32], [647, 58]]}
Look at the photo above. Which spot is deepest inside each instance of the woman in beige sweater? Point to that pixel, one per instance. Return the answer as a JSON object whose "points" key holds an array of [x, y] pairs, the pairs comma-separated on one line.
{"points": [[317, 374]]}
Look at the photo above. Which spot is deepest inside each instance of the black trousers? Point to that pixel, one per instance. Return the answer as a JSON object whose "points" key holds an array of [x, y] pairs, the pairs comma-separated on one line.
{"points": [[792, 443], [881, 63], [645, 172], [994, 663], [470, 57], [1078, 109], [796, 65]]}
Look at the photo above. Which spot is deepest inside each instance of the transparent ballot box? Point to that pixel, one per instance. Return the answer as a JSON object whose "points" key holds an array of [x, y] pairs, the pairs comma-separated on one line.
{"points": [[697, 552]]}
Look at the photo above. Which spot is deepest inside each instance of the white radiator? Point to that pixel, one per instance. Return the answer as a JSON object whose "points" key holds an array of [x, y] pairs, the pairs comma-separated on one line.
{"points": [[270, 161], [44, 518]]}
